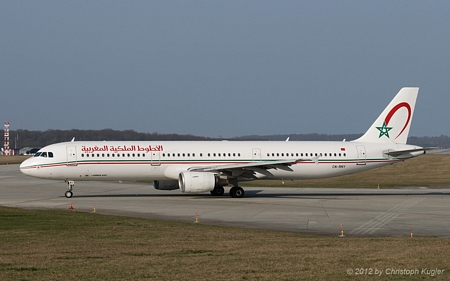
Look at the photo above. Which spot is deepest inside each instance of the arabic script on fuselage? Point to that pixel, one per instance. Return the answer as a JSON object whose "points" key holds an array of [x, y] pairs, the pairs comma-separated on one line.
{"points": [[120, 148]]}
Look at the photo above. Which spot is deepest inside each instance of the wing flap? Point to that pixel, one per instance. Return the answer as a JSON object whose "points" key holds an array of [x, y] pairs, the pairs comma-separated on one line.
{"points": [[248, 170], [282, 164]]}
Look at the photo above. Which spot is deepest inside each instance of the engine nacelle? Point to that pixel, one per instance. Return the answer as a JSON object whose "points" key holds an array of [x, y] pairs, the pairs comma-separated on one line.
{"points": [[196, 182], [166, 185]]}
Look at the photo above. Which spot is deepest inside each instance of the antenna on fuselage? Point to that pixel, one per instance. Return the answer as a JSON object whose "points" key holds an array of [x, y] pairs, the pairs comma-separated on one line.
{"points": [[73, 139]]}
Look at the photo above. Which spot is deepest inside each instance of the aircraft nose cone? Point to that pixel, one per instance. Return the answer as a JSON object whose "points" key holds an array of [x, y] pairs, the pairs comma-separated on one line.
{"points": [[25, 167]]}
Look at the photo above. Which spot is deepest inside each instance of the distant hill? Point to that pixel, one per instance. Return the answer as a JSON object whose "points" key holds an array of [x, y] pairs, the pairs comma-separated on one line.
{"points": [[28, 138]]}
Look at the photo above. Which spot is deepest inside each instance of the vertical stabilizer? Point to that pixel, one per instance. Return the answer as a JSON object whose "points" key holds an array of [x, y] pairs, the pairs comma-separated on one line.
{"points": [[394, 123]]}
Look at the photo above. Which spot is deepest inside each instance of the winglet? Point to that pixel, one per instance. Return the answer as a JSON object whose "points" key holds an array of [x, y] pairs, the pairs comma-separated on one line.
{"points": [[395, 121]]}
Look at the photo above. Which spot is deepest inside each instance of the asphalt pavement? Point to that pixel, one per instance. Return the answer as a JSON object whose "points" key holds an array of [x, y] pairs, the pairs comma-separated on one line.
{"points": [[327, 211]]}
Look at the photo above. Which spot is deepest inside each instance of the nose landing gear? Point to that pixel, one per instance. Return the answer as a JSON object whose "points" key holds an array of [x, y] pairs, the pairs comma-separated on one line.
{"points": [[69, 192]]}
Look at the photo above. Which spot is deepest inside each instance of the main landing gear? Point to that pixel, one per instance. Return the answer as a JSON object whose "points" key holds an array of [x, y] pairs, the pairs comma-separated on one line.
{"points": [[218, 191], [69, 192], [235, 192]]}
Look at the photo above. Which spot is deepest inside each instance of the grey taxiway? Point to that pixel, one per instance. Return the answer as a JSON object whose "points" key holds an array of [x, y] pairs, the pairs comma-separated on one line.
{"points": [[327, 211]]}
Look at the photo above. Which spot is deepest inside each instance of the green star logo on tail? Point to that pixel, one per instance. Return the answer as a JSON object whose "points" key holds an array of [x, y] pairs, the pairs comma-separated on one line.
{"points": [[384, 131]]}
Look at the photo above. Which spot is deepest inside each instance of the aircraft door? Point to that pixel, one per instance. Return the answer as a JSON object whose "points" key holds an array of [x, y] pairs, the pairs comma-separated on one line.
{"points": [[71, 155], [361, 155], [256, 152], [156, 158]]}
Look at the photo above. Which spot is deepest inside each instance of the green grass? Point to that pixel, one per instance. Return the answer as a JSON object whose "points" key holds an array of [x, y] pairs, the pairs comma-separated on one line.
{"points": [[6, 160], [67, 245], [427, 170]]}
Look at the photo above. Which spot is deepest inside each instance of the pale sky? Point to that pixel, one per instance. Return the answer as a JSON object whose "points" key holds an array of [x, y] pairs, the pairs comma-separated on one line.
{"points": [[222, 68]]}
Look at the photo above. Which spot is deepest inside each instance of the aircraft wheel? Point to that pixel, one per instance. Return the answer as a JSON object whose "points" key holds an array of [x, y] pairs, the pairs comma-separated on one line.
{"points": [[237, 192], [218, 191], [68, 194]]}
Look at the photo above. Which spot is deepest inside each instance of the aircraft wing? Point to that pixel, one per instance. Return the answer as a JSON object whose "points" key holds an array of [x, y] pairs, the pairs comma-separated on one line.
{"points": [[249, 170]]}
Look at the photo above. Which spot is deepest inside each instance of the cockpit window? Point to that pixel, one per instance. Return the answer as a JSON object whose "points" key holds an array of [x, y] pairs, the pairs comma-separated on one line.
{"points": [[44, 154]]}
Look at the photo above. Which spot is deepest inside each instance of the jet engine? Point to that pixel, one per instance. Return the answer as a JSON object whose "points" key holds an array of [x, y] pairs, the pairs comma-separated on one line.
{"points": [[196, 182], [166, 185]]}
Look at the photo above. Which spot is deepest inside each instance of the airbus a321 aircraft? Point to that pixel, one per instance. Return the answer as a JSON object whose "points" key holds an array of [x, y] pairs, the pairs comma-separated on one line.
{"points": [[202, 166]]}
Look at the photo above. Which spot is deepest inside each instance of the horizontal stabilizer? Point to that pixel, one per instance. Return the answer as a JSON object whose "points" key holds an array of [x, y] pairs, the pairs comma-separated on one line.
{"points": [[406, 153]]}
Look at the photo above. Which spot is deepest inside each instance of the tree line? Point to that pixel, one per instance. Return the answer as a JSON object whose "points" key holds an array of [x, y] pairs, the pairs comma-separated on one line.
{"points": [[25, 138]]}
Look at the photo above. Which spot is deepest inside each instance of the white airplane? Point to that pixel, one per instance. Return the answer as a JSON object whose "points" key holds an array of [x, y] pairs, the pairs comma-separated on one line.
{"points": [[202, 166]]}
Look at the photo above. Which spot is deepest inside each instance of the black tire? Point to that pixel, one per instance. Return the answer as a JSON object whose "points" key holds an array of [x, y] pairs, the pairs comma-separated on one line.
{"points": [[218, 191], [237, 192], [68, 194]]}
